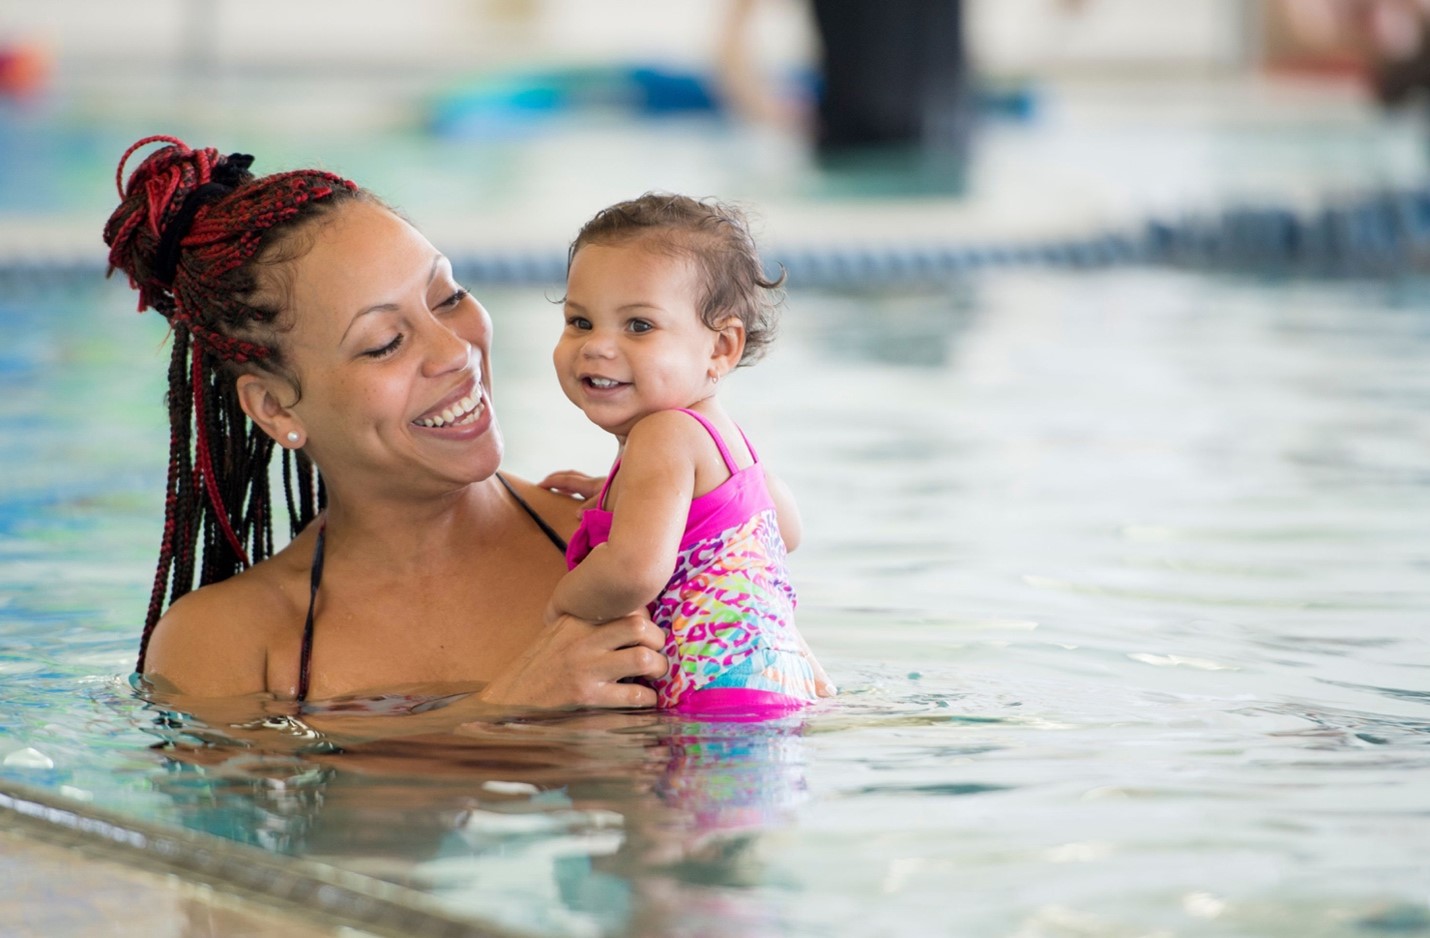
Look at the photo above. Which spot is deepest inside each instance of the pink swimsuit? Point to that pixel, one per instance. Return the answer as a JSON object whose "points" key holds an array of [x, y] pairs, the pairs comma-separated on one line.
{"points": [[728, 610]]}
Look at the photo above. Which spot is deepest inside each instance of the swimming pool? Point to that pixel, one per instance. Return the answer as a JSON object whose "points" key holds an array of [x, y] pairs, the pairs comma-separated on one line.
{"points": [[1122, 572], [1123, 576]]}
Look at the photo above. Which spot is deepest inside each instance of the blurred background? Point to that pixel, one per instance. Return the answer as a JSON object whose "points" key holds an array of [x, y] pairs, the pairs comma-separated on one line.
{"points": [[507, 122]]}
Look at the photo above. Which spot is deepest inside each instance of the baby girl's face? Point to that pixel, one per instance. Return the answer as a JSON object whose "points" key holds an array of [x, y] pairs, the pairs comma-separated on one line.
{"points": [[634, 342]]}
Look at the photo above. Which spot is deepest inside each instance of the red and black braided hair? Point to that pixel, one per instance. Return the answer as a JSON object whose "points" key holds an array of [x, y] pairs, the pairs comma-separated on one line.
{"points": [[200, 237]]}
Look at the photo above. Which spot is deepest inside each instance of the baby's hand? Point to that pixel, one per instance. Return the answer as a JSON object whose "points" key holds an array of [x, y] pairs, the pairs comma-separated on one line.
{"points": [[823, 686], [571, 482]]}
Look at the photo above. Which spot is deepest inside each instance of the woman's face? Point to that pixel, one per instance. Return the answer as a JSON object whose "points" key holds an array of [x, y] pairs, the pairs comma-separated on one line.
{"points": [[391, 354]]}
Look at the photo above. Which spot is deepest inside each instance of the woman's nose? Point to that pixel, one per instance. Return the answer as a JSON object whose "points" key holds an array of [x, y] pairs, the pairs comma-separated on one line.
{"points": [[446, 350]]}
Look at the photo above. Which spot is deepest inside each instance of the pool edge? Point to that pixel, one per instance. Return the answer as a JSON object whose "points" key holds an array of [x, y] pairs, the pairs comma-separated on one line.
{"points": [[320, 895]]}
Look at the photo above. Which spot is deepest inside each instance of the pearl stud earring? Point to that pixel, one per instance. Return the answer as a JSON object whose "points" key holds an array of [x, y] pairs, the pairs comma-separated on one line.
{"points": [[293, 436]]}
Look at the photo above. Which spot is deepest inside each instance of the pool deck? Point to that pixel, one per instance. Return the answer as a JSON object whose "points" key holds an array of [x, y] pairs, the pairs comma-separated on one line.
{"points": [[72, 868], [52, 890]]}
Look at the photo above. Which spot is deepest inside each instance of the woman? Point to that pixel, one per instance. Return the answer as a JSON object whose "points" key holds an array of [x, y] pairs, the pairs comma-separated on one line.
{"points": [[309, 316]]}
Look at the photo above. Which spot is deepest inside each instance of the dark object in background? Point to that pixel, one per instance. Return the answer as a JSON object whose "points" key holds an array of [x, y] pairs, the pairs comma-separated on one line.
{"points": [[1397, 81], [895, 76]]}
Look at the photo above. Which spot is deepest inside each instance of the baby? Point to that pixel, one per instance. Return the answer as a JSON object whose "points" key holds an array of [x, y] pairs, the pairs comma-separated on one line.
{"points": [[665, 296]]}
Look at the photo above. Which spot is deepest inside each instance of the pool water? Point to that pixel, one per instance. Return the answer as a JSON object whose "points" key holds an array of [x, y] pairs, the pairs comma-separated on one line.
{"points": [[1123, 575]]}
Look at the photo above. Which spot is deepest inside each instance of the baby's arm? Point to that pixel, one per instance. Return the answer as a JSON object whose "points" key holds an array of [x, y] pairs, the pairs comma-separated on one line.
{"points": [[786, 511], [656, 484]]}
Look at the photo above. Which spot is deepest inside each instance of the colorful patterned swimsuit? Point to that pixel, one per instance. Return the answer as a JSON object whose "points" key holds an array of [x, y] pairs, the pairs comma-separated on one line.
{"points": [[728, 610]]}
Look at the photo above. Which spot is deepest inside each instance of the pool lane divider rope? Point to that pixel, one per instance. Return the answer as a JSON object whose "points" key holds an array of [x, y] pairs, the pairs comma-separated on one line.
{"points": [[1380, 234], [316, 893]]}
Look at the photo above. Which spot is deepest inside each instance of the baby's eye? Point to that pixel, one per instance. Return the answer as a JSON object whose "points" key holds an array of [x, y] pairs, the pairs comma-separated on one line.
{"points": [[641, 325], [578, 322], [385, 350]]}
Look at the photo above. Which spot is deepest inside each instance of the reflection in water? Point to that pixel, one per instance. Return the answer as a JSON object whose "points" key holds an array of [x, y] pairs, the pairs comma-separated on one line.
{"points": [[581, 823]]}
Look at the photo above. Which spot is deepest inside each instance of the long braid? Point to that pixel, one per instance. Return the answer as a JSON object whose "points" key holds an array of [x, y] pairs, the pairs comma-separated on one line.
{"points": [[288, 484], [190, 230], [304, 504], [168, 547], [185, 517]]}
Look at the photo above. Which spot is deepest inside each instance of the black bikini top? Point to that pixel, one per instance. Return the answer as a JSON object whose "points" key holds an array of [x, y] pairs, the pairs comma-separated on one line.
{"points": [[317, 577]]}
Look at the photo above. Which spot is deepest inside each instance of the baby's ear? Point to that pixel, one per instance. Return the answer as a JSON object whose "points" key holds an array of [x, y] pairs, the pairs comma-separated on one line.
{"points": [[729, 344]]}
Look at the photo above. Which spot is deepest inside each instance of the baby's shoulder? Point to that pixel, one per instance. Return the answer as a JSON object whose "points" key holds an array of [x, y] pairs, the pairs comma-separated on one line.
{"points": [[665, 426]]}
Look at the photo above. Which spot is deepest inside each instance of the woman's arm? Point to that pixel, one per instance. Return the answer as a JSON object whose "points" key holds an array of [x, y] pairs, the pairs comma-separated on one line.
{"points": [[656, 485], [576, 663], [571, 665]]}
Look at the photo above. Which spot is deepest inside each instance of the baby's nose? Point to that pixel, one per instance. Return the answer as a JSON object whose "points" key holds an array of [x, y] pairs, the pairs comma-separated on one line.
{"points": [[598, 346]]}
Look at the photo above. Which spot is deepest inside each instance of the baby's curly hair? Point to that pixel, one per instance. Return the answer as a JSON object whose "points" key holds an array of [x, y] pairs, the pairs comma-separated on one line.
{"points": [[716, 236]]}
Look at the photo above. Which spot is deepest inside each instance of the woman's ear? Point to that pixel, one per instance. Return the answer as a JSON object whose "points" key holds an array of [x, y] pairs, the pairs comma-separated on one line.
{"points": [[729, 347], [258, 395]]}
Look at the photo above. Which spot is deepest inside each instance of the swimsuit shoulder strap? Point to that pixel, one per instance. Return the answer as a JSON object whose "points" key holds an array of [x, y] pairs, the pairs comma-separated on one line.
{"points": [[606, 486], [546, 529], [720, 441], [305, 659]]}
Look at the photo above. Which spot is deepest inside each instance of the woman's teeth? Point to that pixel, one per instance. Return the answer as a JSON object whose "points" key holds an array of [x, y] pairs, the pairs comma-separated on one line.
{"points": [[465, 411]]}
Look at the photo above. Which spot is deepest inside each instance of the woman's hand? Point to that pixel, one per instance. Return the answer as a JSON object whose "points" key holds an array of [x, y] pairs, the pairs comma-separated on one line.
{"points": [[571, 482], [574, 663]]}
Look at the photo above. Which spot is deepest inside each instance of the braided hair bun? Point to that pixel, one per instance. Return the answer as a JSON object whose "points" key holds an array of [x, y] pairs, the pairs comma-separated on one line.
{"points": [[146, 229], [188, 227]]}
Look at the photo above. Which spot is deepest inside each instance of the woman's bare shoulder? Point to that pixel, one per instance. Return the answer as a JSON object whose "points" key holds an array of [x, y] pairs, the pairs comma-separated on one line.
{"points": [[215, 641]]}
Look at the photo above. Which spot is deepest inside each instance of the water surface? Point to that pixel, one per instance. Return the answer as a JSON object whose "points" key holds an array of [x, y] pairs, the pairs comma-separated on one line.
{"points": [[1123, 576]]}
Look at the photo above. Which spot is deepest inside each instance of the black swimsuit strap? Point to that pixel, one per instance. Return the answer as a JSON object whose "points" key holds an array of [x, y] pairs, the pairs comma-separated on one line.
{"points": [[546, 529], [305, 659]]}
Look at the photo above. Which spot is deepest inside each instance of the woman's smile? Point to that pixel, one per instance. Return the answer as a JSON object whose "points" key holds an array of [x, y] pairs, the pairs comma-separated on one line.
{"points": [[465, 411], [463, 407]]}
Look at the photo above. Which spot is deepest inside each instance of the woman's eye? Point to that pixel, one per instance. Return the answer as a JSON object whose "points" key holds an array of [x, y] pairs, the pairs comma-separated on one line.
{"points": [[385, 350], [640, 325], [454, 299]]}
